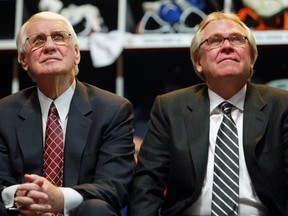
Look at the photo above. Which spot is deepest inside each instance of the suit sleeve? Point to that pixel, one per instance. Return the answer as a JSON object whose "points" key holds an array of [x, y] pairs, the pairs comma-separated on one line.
{"points": [[151, 172], [115, 157]]}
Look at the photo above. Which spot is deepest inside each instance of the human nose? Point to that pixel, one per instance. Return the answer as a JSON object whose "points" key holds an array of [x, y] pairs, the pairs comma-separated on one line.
{"points": [[49, 42], [226, 41]]}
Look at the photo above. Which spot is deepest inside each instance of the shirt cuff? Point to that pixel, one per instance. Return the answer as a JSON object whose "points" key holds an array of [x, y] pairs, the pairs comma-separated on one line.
{"points": [[72, 199], [8, 196]]}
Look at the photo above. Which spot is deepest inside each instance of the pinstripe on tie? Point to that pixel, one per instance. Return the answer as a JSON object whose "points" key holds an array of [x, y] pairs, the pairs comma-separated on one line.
{"points": [[225, 195]]}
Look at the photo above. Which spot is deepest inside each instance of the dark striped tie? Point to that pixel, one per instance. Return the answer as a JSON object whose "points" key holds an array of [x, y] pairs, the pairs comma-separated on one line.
{"points": [[225, 195]]}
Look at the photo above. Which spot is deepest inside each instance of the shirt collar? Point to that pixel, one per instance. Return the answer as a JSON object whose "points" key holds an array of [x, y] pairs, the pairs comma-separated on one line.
{"points": [[237, 100], [62, 103]]}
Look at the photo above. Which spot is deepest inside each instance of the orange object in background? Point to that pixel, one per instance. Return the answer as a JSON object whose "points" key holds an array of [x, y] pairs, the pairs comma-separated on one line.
{"points": [[252, 20]]}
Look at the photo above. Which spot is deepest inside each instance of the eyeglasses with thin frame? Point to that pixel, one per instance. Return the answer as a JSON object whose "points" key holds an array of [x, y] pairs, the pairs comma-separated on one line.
{"points": [[217, 40], [38, 40]]}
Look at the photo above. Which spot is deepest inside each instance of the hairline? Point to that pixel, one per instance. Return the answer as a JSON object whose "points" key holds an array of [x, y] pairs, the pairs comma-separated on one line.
{"points": [[22, 33], [217, 16]]}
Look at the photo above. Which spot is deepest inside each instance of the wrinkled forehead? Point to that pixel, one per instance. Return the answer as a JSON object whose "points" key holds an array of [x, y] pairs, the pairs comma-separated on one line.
{"points": [[40, 25], [222, 27]]}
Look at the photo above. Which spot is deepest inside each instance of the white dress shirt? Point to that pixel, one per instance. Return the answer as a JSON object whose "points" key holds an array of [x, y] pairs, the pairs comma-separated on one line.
{"points": [[249, 203]]}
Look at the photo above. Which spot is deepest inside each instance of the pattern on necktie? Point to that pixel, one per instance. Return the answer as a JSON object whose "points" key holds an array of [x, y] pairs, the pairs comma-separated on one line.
{"points": [[225, 195], [54, 147]]}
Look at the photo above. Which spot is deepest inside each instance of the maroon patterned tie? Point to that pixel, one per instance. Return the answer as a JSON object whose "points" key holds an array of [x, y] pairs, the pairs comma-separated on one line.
{"points": [[54, 147]]}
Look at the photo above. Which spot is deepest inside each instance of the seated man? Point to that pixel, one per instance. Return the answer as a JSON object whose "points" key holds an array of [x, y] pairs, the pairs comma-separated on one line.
{"points": [[220, 147], [83, 162]]}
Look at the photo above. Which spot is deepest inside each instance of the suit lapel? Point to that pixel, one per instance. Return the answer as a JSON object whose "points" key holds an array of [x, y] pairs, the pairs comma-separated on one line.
{"points": [[30, 135], [256, 115], [197, 128], [78, 127]]}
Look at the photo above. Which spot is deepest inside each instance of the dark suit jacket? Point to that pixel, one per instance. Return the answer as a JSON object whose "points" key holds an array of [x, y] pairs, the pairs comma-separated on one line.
{"points": [[175, 149], [98, 155]]}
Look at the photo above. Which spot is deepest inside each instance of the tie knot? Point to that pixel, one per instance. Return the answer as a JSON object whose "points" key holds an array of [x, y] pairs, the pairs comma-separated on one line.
{"points": [[226, 108], [53, 109]]}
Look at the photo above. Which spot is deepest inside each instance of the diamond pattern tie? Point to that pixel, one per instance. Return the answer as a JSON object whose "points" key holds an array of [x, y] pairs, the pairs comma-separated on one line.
{"points": [[225, 195], [54, 147]]}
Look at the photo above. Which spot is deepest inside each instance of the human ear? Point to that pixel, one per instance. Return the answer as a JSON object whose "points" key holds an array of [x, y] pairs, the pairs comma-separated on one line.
{"points": [[197, 63], [77, 55], [23, 61]]}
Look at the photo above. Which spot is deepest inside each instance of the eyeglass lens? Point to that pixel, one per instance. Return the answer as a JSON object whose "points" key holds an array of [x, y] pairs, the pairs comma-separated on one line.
{"points": [[218, 40], [58, 37]]}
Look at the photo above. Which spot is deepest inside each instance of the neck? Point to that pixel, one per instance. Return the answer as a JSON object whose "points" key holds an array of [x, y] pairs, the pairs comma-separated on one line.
{"points": [[226, 89], [54, 87]]}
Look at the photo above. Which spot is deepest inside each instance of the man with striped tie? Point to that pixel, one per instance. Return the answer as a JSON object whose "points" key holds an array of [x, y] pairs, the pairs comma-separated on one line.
{"points": [[221, 147]]}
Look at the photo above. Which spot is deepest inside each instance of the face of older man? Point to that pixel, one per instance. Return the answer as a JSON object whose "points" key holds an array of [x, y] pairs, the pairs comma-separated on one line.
{"points": [[224, 54], [49, 49]]}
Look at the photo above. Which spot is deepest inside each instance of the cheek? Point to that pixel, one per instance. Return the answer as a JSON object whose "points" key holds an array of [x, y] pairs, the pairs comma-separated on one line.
{"points": [[207, 60], [247, 59]]}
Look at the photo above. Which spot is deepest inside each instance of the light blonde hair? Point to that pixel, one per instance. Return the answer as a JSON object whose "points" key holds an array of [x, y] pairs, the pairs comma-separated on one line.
{"points": [[194, 48], [22, 34]]}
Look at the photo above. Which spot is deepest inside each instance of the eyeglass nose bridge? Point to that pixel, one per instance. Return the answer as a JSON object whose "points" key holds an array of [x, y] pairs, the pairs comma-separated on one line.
{"points": [[224, 39], [46, 39]]}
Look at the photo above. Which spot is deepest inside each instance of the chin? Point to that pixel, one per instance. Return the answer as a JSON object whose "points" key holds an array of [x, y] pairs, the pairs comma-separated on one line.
{"points": [[52, 70], [231, 73]]}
